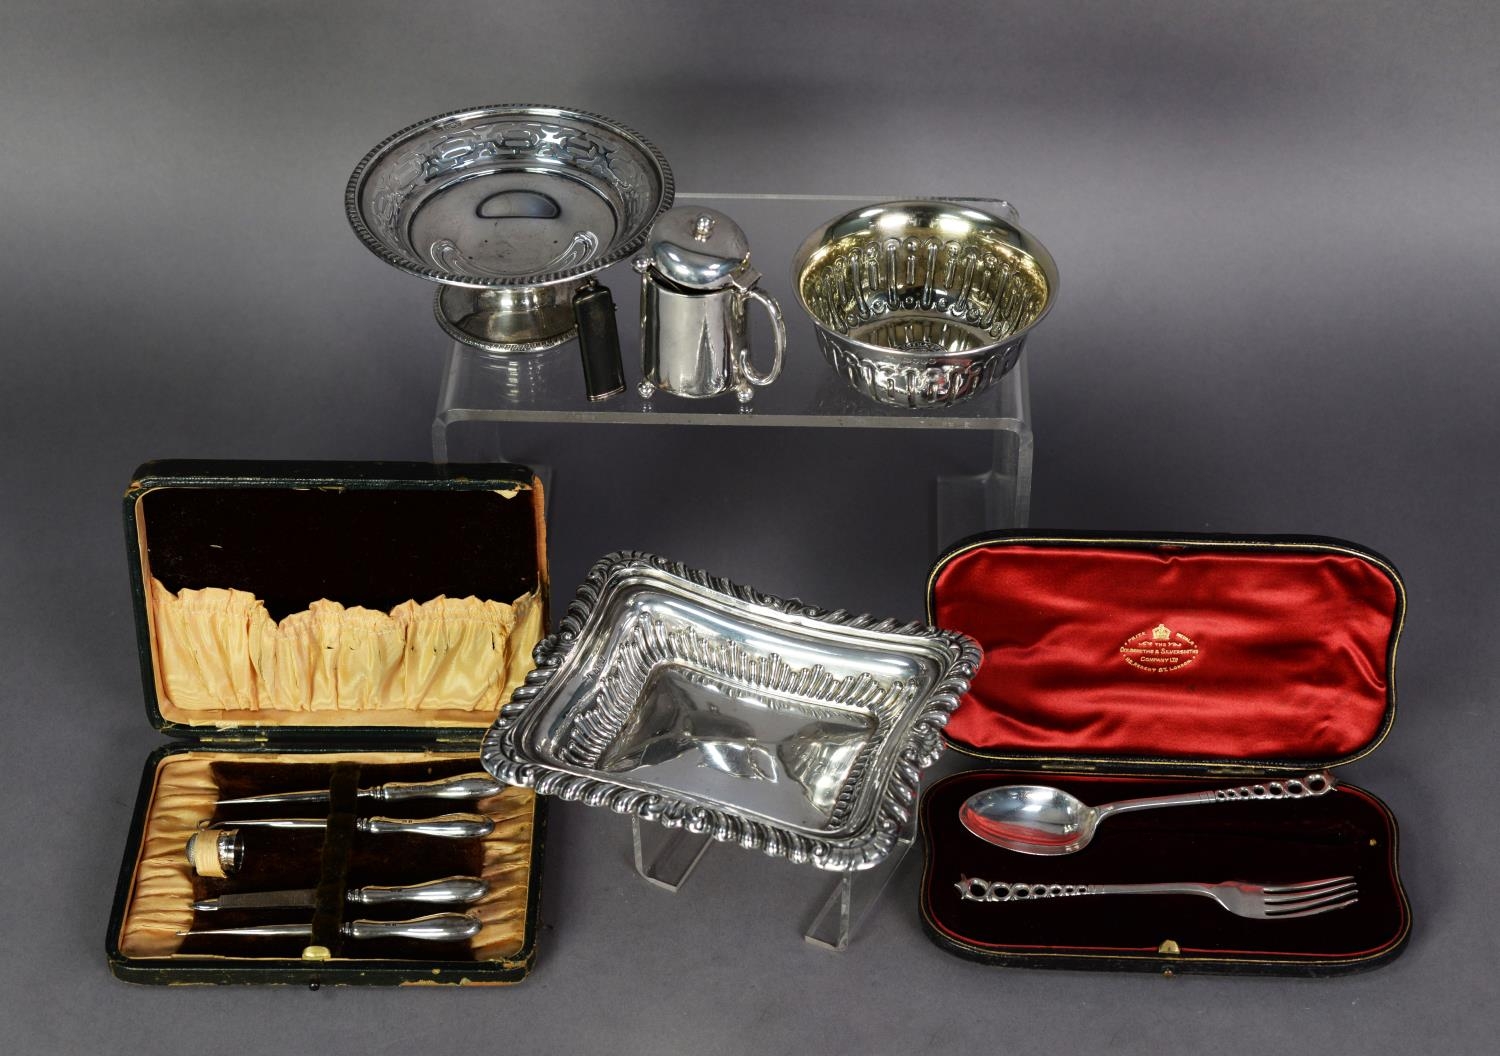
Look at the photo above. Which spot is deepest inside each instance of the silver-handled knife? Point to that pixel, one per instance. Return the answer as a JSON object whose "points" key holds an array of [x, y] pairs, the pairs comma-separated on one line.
{"points": [[440, 927], [464, 786], [453, 826], [459, 890]]}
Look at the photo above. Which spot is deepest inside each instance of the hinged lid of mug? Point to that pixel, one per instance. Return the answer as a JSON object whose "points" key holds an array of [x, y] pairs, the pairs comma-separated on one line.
{"points": [[699, 248]]}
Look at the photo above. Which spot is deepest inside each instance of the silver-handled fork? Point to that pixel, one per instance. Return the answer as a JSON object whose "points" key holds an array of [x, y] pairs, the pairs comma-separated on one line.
{"points": [[1257, 901]]}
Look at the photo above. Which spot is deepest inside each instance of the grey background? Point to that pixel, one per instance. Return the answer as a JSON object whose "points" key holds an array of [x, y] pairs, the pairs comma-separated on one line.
{"points": [[1277, 228]]}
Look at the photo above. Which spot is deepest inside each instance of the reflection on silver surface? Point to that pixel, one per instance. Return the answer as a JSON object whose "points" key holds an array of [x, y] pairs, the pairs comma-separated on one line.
{"points": [[528, 198], [1039, 819], [688, 720], [696, 287], [923, 303], [692, 702]]}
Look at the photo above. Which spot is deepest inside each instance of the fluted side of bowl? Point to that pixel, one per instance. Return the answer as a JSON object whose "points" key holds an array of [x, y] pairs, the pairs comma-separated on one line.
{"points": [[923, 303], [915, 380]]}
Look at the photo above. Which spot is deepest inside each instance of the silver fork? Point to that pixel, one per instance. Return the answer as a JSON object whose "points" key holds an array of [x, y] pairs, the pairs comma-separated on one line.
{"points": [[1257, 901]]}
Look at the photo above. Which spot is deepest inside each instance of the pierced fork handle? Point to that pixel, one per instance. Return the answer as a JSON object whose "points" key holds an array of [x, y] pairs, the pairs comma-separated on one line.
{"points": [[973, 889]]}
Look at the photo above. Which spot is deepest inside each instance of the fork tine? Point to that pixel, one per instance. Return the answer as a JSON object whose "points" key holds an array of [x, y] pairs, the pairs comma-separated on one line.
{"points": [[1306, 885], [1309, 903], [1313, 900], [1311, 893], [1309, 911]]}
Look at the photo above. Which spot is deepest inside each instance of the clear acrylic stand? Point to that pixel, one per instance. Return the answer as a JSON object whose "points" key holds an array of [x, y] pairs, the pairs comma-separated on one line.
{"points": [[667, 857], [987, 486]]}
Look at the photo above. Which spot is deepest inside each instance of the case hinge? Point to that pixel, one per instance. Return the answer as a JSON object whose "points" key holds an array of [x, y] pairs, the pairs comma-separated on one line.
{"points": [[232, 739]]}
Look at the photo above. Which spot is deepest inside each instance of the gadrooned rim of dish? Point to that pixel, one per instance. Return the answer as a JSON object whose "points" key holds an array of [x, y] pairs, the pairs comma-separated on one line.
{"points": [[504, 754]]}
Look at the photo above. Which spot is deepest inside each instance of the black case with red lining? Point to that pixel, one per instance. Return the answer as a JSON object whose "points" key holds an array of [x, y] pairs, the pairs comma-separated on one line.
{"points": [[1122, 666]]}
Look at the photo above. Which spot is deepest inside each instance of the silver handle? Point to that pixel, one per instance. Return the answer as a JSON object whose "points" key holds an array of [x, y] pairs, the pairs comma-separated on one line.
{"points": [[460, 889], [452, 826], [972, 889], [440, 927], [465, 786], [1318, 784], [778, 354]]}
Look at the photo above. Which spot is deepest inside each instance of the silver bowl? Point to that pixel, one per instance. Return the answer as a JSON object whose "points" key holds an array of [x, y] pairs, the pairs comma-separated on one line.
{"points": [[510, 209], [922, 303], [685, 700]]}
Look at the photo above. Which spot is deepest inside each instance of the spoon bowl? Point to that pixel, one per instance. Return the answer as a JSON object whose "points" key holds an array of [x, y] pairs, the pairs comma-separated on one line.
{"points": [[1037, 819]]}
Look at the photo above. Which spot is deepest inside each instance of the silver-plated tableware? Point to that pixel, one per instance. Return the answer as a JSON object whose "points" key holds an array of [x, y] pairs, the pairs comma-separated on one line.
{"points": [[696, 286], [1256, 901], [923, 303], [510, 209], [439, 927], [459, 890], [686, 700], [448, 826], [464, 786], [1037, 819]]}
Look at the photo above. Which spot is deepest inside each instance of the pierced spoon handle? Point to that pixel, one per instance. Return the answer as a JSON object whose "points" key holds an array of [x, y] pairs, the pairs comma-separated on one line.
{"points": [[1316, 784]]}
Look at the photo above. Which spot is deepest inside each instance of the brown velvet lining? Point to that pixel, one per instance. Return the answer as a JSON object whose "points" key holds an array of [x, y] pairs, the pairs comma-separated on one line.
{"points": [[186, 790], [1346, 832]]}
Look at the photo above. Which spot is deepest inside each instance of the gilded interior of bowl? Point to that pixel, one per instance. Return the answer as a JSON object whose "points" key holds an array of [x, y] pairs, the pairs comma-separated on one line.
{"points": [[508, 195], [924, 277]]}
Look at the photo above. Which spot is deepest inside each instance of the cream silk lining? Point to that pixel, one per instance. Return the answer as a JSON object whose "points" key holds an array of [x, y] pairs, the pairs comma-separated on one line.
{"points": [[162, 896], [220, 657]]}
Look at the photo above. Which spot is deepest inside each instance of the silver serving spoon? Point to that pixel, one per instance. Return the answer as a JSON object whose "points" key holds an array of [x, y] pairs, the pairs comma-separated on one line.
{"points": [[1035, 819]]}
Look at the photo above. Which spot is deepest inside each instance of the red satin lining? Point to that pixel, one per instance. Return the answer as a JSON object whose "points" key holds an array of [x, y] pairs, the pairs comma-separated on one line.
{"points": [[1291, 662]]}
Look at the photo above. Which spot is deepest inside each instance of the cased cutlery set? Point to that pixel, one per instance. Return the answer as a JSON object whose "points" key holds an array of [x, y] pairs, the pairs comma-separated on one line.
{"points": [[369, 706]]}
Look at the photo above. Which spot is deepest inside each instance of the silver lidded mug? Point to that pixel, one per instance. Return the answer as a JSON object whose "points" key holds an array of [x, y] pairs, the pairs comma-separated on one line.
{"points": [[696, 287]]}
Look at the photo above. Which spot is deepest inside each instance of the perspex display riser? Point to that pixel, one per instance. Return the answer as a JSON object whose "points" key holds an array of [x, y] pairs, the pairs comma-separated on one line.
{"points": [[982, 481]]}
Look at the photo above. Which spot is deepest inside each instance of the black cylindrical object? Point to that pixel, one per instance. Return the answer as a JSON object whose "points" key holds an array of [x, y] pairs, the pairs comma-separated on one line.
{"points": [[598, 342]]}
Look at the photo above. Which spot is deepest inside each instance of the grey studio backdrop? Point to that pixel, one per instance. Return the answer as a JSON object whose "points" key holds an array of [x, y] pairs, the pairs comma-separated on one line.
{"points": [[1276, 225]]}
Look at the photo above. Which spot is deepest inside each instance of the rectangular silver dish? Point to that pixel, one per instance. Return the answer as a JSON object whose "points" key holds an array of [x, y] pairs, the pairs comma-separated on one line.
{"points": [[692, 702]]}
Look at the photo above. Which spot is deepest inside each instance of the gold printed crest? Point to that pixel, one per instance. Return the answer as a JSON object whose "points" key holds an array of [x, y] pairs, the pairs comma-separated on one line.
{"points": [[1159, 650]]}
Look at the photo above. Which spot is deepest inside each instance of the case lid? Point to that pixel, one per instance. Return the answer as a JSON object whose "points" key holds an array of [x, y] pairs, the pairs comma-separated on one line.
{"points": [[1193, 652], [293, 601]]}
